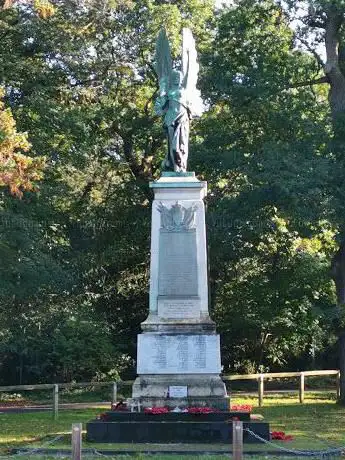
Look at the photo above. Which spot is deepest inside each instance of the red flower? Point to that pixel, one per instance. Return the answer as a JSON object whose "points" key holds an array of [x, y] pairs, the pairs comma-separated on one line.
{"points": [[281, 436], [241, 408], [201, 410], [156, 410]]}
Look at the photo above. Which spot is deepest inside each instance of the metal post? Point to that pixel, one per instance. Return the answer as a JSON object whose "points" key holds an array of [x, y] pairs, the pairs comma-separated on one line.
{"points": [[76, 440], [56, 401], [261, 390], [301, 388], [237, 440], [114, 394]]}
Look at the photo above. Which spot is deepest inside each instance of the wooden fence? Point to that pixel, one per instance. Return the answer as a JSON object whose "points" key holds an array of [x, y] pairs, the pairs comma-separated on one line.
{"points": [[55, 387], [279, 375]]}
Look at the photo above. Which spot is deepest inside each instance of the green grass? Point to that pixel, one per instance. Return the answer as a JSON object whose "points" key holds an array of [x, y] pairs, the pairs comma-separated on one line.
{"points": [[318, 424], [138, 456]]}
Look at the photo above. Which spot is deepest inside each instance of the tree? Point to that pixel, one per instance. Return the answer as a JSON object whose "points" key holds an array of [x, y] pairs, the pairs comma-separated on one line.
{"points": [[323, 22], [80, 82], [262, 146], [17, 171]]}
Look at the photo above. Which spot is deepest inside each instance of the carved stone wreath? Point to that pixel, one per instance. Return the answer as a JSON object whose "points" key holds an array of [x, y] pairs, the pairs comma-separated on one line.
{"points": [[177, 218]]}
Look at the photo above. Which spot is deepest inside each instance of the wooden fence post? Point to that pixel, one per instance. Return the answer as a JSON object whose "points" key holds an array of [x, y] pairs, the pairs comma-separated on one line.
{"points": [[261, 389], [76, 440], [56, 401], [338, 385], [114, 394], [301, 388], [237, 440]]}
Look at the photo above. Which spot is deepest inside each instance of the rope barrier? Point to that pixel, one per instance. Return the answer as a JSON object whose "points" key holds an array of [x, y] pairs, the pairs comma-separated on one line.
{"points": [[27, 451], [306, 453]]}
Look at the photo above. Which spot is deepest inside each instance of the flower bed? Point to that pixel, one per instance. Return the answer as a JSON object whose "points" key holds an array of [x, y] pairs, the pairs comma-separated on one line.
{"points": [[201, 410], [156, 410], [188, 410], [241, 408]]}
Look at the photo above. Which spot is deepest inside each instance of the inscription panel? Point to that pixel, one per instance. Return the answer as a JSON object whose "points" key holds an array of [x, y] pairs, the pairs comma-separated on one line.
{"points": [[176, 391], [178, 269], [175, 308], [178, 354]]}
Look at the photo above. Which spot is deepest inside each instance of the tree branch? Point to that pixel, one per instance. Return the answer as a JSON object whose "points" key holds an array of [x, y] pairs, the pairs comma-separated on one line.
{"points": [[315, 17], [146, 108], [312, 51], [317, 81], [316, 23]]}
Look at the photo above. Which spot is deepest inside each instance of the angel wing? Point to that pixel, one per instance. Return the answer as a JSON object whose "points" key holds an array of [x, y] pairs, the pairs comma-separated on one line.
{"points": [[190, 69], [166, 217], [189, 217], [163, 62]]}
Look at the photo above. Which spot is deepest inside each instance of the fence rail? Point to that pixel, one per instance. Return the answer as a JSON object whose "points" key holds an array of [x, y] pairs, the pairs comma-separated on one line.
{"points": [[55, 387], [278, 375]]}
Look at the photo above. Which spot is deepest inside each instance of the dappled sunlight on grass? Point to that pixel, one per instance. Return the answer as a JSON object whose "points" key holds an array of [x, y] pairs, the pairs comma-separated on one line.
{"points": [[316, 425], [24, 428], [272, 399]]}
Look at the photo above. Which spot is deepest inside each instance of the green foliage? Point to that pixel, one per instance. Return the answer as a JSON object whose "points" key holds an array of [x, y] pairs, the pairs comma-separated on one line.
{"points": [[17, 171], [263, 144], [80, 82], [75, 257]]}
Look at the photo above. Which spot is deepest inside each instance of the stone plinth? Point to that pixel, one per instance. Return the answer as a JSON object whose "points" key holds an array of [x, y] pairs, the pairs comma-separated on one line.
{"points": [[178, 276], [172, 428], [179, 345], [202, 390]]}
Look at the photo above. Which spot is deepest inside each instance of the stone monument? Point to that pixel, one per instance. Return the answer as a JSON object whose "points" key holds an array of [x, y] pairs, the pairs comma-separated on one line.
{"points": [[178, 361], [178, 356]]}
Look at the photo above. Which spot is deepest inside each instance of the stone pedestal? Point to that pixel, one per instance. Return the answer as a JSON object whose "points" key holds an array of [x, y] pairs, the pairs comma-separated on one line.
{"points": [[179, 352], [177, 428]]}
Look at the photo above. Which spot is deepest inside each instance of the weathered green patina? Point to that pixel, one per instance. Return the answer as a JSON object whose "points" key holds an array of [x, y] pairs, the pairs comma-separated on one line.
{"points": [[179, 100]]}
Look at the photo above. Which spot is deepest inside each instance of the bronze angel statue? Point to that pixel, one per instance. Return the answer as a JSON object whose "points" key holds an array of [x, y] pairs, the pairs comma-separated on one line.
{"points": [[179, 100]]}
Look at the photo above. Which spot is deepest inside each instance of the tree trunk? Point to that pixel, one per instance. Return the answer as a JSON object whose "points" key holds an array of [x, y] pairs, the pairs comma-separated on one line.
{"points": [[341, 348], [21, 366], [336, 97], [334, 22], [338, 275]]}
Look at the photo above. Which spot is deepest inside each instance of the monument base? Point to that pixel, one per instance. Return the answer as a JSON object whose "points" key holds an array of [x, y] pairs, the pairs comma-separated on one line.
{"points": [[202, 390], [179, 370], [135, 427]]}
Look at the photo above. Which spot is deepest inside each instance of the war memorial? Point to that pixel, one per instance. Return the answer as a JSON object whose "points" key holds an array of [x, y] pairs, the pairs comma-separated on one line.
{"points": [[178, 351]]}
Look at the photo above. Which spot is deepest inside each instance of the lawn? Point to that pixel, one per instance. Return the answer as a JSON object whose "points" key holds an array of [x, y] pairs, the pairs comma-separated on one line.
{"points": [[318, 424]]}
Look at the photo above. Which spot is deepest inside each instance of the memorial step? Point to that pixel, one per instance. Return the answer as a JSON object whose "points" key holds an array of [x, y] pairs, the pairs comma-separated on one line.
{"points": [[172, 428]]}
